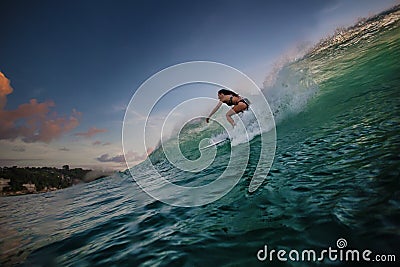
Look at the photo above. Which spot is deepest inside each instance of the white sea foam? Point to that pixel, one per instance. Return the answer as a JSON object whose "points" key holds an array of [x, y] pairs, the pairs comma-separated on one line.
{"points": [[288, 88]]}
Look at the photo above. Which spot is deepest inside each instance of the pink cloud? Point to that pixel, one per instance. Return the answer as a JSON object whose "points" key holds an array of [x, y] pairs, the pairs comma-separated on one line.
{"points": [[5, 89], [91, 132], [150, 150], [33, 121]]}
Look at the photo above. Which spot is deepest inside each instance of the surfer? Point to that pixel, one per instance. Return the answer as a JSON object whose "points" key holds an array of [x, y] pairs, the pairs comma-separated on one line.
{"points": [[230, 98]]}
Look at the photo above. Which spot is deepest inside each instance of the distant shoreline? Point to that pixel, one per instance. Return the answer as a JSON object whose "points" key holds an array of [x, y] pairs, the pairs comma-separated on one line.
{"points": [[15, 181]]}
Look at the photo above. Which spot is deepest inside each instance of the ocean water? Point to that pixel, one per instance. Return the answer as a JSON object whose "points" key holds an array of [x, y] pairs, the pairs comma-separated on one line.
{"points": [[335, 176]]}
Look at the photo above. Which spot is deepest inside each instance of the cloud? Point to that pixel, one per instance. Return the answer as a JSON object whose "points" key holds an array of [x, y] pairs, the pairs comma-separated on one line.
{"points": [[150, 150], [98, 143], [5, 89], [33, 121], [91, 132], [107, 158], [120, 158], [119, 107]]}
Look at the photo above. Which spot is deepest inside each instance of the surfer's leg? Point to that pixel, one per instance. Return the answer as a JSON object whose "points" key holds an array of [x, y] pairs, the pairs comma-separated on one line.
{"points": [[240, 107], [236, 109]]}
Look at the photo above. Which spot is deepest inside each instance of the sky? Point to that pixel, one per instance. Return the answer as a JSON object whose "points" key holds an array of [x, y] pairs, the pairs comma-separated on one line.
{"points": [[68, 69]]}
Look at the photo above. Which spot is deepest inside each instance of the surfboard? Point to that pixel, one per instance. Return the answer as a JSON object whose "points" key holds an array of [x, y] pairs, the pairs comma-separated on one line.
{"points": [[215, 143]]}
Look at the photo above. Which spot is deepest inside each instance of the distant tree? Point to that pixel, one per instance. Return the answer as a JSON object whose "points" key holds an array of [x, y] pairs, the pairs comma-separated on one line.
{"points": [[65, 167]]}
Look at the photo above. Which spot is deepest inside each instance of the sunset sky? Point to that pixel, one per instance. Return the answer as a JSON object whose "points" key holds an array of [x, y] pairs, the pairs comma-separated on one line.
{"points": [[68, 69]]}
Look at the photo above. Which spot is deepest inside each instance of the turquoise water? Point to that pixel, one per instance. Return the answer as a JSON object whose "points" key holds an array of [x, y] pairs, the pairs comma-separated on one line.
{"points": [[335, 175]]}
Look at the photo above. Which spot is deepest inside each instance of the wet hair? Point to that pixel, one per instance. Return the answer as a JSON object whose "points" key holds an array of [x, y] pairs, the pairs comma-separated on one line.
{"points": [[227, 92]]}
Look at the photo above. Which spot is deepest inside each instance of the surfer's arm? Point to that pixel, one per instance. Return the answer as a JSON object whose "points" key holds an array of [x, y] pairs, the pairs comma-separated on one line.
{"points": [[214, 110]]}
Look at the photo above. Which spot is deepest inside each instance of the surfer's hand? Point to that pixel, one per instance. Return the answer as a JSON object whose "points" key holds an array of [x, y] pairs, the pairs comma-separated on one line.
{"points": [[207, 120]]}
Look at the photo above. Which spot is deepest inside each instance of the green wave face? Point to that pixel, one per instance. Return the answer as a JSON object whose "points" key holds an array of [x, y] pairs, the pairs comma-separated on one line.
{"points": [[336, 108]]}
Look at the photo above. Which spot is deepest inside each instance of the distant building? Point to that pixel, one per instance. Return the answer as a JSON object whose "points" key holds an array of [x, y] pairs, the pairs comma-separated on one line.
{"points": [[30, 187], [4, 183]]}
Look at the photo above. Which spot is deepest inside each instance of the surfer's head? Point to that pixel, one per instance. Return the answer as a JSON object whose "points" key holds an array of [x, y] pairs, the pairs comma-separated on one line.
{"points": [[224, 92]]}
